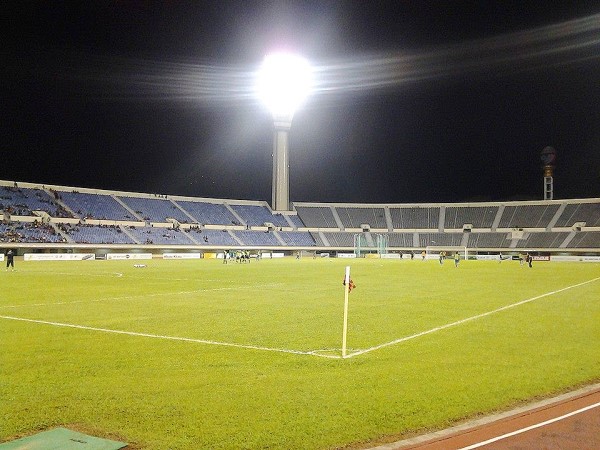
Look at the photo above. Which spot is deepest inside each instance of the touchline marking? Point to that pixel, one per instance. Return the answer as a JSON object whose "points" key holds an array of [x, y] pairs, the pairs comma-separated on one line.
{"points": [[468, 319], [104, 274], [142, 296], [531, 427], [171, 338]]}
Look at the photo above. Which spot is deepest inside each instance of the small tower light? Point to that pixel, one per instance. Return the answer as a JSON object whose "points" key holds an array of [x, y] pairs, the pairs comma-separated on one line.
{"points": [[548, 157]]}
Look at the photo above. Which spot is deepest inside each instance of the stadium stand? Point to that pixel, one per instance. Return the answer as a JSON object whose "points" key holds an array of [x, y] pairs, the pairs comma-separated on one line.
{"points": [[34, 214], [23, 201], [585, 239], [97, 234], [401, 240], [297, 238], [213, 237], [317, 216], [18, 232], [580, 212], [542, 240], [208, 213], [440, 239], [317, 238], [339, 239], [96, 206], [489, 240], [257, 238], [155, 209], [457, 217], [355, 217], [160, 236], [527, 216], [415, 217], [253, 215], [296, 221]]}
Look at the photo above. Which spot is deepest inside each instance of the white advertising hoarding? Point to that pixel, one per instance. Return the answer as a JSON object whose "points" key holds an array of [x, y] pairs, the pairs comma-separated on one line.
{"points": [[59, 256], [560, 258], [181, 255], [128, 256]]}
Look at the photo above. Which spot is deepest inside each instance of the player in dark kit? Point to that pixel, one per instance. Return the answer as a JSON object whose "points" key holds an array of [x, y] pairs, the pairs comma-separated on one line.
{"points": [[10, 259]]}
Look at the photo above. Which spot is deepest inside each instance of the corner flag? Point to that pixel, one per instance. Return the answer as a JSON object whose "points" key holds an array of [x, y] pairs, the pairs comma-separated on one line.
{"points": [[351, 284], [348, 286]]}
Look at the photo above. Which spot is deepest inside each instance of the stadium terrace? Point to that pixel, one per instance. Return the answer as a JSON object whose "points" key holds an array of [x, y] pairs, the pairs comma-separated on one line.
{"points": [[44, 218]]}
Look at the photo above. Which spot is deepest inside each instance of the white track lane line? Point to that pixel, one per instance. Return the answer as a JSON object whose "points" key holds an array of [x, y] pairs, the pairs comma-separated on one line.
{"points": [[531, 427]]}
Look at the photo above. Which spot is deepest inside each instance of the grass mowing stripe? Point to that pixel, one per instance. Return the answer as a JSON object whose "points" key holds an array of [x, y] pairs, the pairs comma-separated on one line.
{"points": [[173, 338], [468, 319]]}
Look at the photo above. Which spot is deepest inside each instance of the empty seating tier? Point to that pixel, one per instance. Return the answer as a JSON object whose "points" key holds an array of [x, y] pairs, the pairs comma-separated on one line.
{"points": [[208, 213], [156, 209], [259, 215], [96, 206], [527, 216], [317, 216], [355, 217], [580, 212], [457, 217], [415, 217]]}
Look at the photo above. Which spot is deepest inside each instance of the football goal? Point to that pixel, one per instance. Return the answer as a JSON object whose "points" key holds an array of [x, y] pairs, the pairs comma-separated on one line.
{"points": [[370, 243]]}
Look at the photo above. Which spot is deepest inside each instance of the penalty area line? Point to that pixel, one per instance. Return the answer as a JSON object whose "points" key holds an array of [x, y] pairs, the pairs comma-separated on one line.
{"points": [[171, 338], [468, 319]]}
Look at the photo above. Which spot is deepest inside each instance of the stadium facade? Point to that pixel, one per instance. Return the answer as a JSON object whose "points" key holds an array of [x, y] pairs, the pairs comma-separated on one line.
{"points": [[54, 219]]}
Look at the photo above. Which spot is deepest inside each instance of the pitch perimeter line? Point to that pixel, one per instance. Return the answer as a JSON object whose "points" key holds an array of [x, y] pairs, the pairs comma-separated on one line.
{"points": [[171, 338], [531, 427], [142, 296], [468, 319]]}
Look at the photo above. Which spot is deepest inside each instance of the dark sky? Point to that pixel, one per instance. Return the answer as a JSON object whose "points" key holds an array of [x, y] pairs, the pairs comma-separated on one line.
{"points": [[415, 101]]}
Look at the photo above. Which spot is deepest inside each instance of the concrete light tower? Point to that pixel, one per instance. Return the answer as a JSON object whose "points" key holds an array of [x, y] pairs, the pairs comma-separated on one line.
{"points": [[284, 82], [549, 160]]}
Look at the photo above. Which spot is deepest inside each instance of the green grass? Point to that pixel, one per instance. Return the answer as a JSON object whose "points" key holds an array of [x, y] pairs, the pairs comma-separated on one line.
{"points": [[166, 394]]}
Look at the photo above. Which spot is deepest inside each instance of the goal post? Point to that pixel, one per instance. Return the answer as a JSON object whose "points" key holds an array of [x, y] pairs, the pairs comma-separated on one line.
{"points": [[433, 251], [370, 243], [360, 244]]}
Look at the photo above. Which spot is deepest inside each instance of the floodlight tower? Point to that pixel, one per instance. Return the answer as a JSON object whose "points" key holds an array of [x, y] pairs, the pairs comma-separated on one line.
{"points": [[549, 159], [284, 83]]}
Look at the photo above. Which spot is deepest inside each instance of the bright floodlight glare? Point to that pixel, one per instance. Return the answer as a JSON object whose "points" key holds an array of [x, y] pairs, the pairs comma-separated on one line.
{"points": [[285, 80]]}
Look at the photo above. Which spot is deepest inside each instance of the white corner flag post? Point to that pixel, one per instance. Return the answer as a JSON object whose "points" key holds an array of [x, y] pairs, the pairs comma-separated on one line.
{"points": [[346, 291]]}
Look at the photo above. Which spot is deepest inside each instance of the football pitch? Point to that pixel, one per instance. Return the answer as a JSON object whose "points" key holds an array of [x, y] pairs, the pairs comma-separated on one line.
{"points": [[190, 354]]}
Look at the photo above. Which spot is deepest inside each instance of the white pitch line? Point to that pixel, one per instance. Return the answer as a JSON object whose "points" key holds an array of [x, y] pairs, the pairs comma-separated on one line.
{"points": [[171, 338], [468, 319], [125, 297], [130, 297], [531, 427], [105, 274]]}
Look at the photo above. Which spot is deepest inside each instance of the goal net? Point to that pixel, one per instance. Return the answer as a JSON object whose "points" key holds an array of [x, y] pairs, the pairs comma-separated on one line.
{"points": [[433, 251], [370, 243]]}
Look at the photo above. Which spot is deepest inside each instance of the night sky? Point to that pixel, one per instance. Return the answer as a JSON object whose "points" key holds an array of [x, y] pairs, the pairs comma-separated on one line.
{"points": [[414, 101]]}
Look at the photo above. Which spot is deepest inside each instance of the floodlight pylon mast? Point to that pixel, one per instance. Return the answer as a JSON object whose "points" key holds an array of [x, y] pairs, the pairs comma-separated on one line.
{"points": [[281, 164], [284, 82]]}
